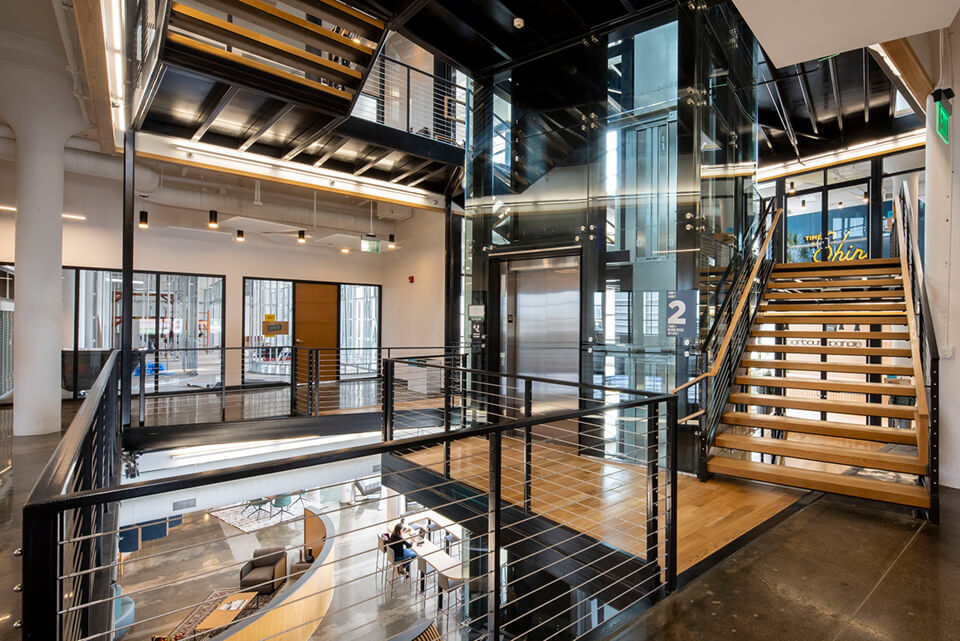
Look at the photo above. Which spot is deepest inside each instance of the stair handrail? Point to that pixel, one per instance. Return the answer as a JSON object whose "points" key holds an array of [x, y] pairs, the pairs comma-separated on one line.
{"points": [[715, 383], [741, 303], [921, 326]]}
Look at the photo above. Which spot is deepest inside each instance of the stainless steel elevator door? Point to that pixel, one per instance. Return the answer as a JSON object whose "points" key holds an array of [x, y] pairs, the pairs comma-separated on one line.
{"points": [[540, 325]]}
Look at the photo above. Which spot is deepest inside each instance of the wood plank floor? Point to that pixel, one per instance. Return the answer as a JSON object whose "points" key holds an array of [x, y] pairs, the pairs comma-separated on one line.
{"points": [[608, 500]]}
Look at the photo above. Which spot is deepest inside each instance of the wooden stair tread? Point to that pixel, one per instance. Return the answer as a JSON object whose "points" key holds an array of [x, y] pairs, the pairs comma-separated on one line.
{"points": [[820, 284], [908, 464], [822, 428], [824, 405], [828, 349], [852, 368], [833, 295], [840, 266], [902, 493], [785, 333], [833, 307], [887, 389], [829, 273], [836, 318]]}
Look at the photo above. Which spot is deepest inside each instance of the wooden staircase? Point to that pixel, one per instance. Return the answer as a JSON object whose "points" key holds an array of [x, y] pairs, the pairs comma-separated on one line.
{"points": [[826, 393]]}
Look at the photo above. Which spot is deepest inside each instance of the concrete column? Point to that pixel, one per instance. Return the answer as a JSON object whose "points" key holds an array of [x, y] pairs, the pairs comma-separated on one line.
{"points": [[40, 108]]}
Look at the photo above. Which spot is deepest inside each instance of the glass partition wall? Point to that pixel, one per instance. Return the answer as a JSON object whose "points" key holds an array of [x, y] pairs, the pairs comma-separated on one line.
{"points": [[626, 164]]}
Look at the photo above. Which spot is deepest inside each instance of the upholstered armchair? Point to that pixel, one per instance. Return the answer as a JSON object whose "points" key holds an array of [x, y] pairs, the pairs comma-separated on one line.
{"points": [[265, 572]]}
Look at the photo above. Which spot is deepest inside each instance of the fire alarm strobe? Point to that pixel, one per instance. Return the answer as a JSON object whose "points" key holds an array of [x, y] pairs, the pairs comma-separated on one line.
{"points": [[410, 278]]}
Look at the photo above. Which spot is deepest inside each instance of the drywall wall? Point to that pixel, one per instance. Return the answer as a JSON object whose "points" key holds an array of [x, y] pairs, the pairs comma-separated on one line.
{"points": [[178, 241], [414, 320]]}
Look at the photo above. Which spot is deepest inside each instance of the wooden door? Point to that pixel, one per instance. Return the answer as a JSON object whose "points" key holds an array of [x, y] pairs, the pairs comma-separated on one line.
{"points": [[315, 325]]}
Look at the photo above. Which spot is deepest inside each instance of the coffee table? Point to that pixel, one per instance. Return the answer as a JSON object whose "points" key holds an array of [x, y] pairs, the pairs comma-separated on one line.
{"points": [[219, 618]]}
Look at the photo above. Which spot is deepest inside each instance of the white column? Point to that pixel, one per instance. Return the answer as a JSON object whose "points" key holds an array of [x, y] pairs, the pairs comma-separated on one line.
{"points": [[40, 107], [37, 307]]}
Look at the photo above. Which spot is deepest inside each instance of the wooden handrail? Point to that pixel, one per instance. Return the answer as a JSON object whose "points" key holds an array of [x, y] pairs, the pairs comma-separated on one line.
{"points": [[922, 413], [741, 303]]}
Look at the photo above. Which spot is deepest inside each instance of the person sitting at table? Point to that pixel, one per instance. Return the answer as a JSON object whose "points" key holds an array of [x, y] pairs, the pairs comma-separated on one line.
{"points": [[402, 554]]}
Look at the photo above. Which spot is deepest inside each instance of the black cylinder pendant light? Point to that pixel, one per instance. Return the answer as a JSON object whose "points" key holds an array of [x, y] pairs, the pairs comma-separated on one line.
{"points": [[302, 236], [144, 223], [240, 238], [213, 224]]}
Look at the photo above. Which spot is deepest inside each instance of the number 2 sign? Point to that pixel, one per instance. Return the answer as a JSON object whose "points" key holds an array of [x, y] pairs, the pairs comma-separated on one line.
{"points": [[682, 312]]}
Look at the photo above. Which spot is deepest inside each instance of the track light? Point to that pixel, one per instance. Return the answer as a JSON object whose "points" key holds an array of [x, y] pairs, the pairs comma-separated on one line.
{"points": [[240, 238], [302, 236], [144, 223], [213, 224]]}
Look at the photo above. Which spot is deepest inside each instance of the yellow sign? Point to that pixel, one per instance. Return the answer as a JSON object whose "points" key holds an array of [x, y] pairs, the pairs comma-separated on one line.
{"points": [[273, 328], [267, 318], [838, 253]]}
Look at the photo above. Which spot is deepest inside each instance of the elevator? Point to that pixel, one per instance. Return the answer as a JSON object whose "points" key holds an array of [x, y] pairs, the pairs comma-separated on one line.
{"points": [[540, 325]]}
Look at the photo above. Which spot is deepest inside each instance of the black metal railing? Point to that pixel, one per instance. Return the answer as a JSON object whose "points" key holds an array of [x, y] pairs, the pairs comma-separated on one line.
{"points": [[506, 475], [86, 460], [927, 352], [730, 329]]}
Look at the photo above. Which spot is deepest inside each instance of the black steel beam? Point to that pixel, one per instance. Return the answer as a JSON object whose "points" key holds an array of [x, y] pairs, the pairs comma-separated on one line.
{"points": [[331, 147], [866, 87], [781, 106], [835, 83], [268, 124], [426, 176], [406, 174], [371, 158], [807, 100], [220, 96], [126, 291], [309, 139], [384, 136]]}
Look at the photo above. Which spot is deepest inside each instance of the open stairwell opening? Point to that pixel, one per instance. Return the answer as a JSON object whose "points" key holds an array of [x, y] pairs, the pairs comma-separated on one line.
{"points": [[823, 376]]}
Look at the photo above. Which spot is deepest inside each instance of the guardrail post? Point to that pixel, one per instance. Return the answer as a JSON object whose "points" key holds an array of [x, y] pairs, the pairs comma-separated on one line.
{"points": [[493, 540], [316, 384], [527, 445], [671, 517], [40, 594], [447, 410], [409, 100], [463, 391], [293, 381], [223, 383], [388, 374], [704, 423], [142, 401], [311, 376], [653, 482]]}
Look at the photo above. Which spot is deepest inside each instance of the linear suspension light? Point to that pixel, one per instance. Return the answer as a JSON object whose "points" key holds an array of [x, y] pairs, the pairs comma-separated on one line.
{"points": [[144, 223], [240, 238], [302, 236]]}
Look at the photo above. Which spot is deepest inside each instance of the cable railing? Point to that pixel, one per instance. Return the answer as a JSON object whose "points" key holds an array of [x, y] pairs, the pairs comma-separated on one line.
{"points": [[730, 331], [403, 97], [925, 353], [533, 508]]}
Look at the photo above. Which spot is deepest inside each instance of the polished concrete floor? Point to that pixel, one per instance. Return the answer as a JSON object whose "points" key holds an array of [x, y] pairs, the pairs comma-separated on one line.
{"points": [[837, 569]]}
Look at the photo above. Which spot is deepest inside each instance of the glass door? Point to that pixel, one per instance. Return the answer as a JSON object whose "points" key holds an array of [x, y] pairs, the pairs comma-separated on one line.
{"points": [[847, 223], [804, 227]]}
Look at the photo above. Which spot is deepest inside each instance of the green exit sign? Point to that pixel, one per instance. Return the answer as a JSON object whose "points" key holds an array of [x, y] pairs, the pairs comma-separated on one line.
{"points": [[943, 123]]}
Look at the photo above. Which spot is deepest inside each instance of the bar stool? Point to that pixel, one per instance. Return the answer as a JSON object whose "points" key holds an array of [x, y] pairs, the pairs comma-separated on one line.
{"points": [[394, 571], [451, 587], [381, 552], [424, 571]]}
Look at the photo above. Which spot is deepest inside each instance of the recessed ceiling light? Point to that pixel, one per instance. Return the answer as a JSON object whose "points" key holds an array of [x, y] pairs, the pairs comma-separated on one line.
{"points": [[518, 23]]}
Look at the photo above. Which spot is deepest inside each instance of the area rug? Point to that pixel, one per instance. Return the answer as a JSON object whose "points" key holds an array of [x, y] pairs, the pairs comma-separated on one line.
{"points": [[186, 628], [250, 522]]}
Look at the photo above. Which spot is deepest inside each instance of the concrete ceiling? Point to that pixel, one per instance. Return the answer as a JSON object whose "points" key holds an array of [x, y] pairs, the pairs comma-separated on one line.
{"points": [[793, 31]]}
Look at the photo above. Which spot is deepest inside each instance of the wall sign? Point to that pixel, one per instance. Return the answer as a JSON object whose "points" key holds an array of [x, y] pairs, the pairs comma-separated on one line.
{"points": [[274, 328], [835, 254], [682, 305]]}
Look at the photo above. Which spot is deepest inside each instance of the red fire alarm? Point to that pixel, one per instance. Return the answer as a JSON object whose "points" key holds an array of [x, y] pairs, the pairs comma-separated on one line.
{"points": [[410, 278]]}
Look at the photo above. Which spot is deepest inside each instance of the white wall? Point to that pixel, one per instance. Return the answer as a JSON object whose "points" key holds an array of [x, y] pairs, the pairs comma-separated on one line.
{"points": [[412, 314], [420, 254], [941, 273]]}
